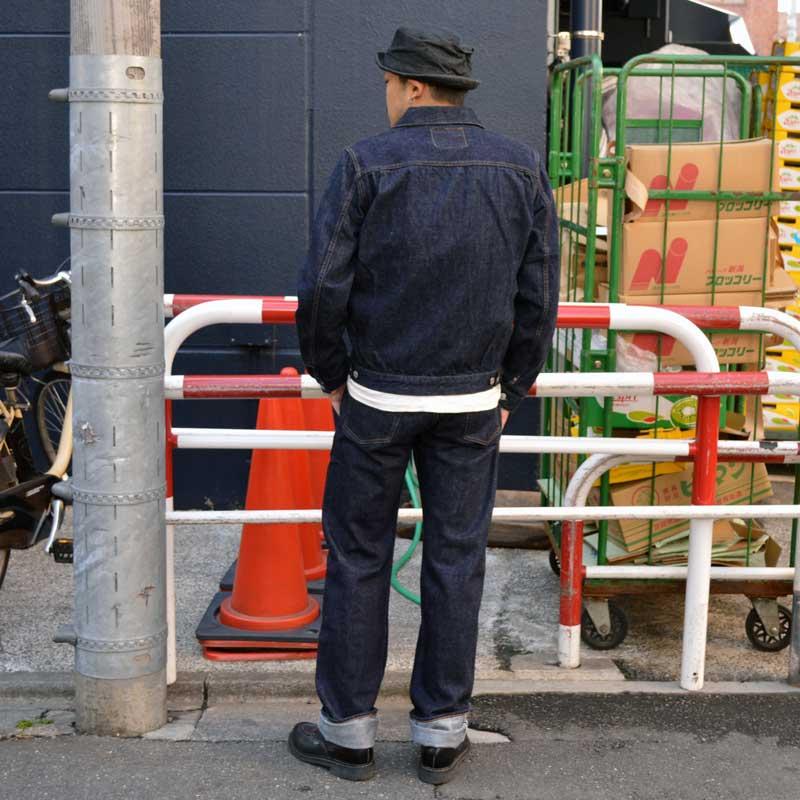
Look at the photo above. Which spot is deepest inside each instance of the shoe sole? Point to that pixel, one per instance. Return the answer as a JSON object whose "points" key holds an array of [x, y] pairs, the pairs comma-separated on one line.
{"points": [[444, 775], [349, 772]]}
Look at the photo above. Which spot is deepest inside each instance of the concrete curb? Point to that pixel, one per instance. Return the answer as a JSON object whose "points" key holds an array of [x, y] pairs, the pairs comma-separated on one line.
{"points": [[195, 690]]}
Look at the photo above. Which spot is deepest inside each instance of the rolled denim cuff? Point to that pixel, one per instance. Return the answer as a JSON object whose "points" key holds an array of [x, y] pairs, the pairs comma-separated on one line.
{"points": [[357, 733], [442, 732]]}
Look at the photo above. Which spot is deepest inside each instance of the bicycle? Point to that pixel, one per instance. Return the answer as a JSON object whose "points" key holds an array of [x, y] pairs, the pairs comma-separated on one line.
{"points": [[34, 336]]}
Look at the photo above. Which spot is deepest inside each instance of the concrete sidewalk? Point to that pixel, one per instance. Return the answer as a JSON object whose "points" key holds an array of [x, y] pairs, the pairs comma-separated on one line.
{"points": [[534, 747], [518, 622]]}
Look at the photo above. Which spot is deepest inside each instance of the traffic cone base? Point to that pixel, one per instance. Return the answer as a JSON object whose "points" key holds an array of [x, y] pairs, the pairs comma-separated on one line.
{"points": [[212, 653], [243, 644], [236, 619]]}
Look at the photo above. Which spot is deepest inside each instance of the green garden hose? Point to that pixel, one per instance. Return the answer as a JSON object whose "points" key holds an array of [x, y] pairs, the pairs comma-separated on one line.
{"points": [[413, 490]]}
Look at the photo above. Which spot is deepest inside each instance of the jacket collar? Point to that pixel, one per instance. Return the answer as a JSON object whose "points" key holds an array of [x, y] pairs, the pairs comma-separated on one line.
{"points": [[438, 115]]}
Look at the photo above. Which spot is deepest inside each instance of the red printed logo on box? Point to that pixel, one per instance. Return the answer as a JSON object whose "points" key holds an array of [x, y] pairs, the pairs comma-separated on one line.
{"points": [[650, 269], [687, 178]]}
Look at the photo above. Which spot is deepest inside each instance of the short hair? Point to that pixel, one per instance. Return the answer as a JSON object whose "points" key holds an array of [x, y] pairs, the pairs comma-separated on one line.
{"points": [[445, 94]]}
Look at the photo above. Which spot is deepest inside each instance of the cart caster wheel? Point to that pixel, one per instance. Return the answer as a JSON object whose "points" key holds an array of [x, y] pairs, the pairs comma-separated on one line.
{"points": [[761, 639], [555, 562], [608, 641]]}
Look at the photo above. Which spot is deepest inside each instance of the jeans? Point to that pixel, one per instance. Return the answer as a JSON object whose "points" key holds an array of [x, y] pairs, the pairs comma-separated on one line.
{"points": [[456, 457]]}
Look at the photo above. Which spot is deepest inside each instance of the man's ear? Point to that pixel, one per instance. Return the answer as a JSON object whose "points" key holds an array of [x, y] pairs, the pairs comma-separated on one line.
{"points": [[416, 89]]}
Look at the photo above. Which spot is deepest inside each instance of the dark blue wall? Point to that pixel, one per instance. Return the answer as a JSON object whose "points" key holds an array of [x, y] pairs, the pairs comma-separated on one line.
{"points": [[261, 97]]}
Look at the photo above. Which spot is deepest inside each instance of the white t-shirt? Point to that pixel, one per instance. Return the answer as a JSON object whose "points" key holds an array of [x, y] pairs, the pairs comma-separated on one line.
{"points": [[432, 403]]}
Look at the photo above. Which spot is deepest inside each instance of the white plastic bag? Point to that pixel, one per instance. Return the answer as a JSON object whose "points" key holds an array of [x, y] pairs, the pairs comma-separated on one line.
{"points": [[692, 100]]}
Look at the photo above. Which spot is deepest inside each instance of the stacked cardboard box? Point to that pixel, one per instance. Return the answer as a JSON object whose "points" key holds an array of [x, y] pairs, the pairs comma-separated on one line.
{"points": [[685, 253], [692, 253], [781, 120], [666, 541]]}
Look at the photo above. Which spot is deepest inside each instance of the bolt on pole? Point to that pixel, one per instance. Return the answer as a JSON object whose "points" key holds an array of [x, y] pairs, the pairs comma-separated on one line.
{"points": [[117, 246]]}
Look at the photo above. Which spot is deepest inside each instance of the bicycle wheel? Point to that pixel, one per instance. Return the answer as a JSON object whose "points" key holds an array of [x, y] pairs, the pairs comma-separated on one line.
{"points": [[51, 405]]}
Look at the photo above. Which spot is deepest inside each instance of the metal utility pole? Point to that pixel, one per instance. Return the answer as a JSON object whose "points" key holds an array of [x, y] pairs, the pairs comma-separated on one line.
{"points": [[117, 246]]}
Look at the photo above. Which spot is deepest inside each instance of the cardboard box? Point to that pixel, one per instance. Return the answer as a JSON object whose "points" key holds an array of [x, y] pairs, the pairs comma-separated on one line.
{"points": [[734, 544], [737, 484], [781, 421], [688, 265], [773, 364], [731, 347], [781, 289], [632, 412], [789, 177], [572, 204], [745, 167], [790, 208], [789, 149], [789, 91], [789, 233]]}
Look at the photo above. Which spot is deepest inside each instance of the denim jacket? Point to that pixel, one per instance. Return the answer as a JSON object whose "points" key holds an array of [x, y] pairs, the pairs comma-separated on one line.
{"points": [[435, 250]]}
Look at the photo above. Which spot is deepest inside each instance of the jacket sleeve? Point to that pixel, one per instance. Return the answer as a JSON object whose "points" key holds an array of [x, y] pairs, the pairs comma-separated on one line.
{"points": [[536, 302], [327, 276]]}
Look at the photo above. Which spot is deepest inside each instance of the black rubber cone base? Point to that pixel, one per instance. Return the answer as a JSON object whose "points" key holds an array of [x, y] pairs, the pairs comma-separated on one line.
{"points": [[226, 583], [211, 629]]}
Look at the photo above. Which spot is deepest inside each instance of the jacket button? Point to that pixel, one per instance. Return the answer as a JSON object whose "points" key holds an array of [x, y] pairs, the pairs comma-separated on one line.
{"points": [[355, 373], [492, 381]]}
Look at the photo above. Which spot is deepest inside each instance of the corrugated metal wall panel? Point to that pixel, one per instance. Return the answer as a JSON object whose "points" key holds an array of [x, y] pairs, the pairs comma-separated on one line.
{"points": [[260, 99]]}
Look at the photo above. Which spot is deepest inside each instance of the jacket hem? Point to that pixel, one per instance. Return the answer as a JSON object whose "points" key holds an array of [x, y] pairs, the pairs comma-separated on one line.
{"points": [[396, 383]]}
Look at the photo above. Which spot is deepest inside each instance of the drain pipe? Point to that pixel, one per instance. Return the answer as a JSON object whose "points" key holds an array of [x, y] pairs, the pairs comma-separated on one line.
{"points": [[117, 247], [586, 27]]}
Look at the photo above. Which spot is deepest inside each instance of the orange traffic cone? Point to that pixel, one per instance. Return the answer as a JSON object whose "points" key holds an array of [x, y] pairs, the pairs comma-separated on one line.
{"points": [[269, 614]]}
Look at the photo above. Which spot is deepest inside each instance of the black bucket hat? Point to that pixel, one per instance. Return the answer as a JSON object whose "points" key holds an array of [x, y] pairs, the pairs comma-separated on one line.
{"points": [[434, 57]]}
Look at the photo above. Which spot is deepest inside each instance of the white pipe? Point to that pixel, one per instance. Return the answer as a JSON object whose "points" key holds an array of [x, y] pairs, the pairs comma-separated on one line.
{"points": [[507, 514], [770, 320], [242, 438], [595, 384], [658, 572], [576, 496], [247, 439], [215, 312], [661, 320], [173, 386], [172, 640], [783, 382], [695, 617]]}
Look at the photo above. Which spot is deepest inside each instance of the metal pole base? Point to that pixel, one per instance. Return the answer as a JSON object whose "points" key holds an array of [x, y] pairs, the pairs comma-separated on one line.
{"points": [[124, 707]]}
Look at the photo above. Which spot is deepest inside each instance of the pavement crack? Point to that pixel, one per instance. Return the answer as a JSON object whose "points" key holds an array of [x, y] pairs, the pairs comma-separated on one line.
{"points": [[204, 704]]}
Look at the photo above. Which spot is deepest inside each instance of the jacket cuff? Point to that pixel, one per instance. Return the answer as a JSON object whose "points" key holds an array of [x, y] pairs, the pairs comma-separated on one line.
{"points": [[510, 398], [329, 385]]}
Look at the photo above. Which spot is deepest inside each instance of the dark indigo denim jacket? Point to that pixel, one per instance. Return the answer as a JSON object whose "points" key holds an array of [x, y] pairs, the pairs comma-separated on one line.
{"points": [[435, 249]]}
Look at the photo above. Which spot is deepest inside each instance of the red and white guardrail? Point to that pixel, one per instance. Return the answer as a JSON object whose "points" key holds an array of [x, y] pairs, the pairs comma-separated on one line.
{"points": [[195, 311]]}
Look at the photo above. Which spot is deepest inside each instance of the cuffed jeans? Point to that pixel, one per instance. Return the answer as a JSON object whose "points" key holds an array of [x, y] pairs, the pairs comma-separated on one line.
{"points": [[456, 457]]}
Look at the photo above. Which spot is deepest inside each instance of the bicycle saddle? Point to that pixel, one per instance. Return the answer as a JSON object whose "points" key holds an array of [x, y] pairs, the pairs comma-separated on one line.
{"points": [[14, 363]]}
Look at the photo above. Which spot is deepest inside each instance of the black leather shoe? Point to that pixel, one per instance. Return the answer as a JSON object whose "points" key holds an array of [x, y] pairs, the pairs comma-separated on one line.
{"points": [[439, 765], [307, 744]]}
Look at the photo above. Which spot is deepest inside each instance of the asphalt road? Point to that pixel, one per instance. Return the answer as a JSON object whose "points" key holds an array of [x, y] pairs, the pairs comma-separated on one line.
{"points": [[625, 747]]}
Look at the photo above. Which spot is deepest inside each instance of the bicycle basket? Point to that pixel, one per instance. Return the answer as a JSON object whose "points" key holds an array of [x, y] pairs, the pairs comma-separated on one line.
{"points": [[44, 341]]}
